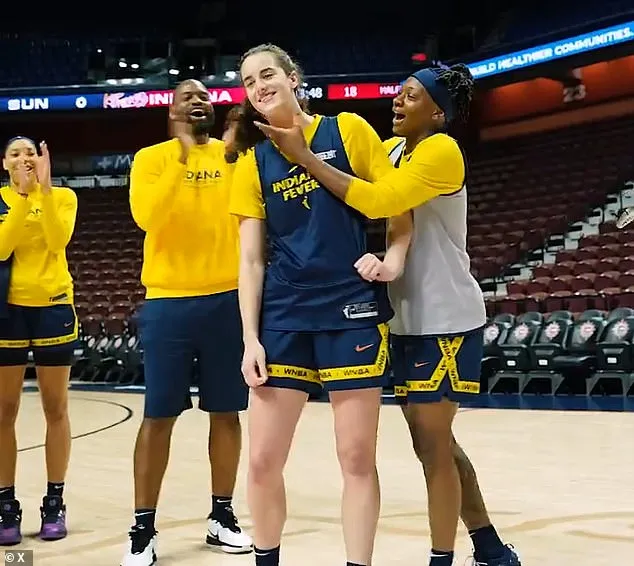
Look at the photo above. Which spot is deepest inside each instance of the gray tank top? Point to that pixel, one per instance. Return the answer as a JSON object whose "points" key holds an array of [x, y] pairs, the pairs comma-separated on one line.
{"points": [[436, 294]]}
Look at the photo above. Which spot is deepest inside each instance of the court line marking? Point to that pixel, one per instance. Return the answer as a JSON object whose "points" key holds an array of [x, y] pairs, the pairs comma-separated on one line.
{"points": [[129, 414]]}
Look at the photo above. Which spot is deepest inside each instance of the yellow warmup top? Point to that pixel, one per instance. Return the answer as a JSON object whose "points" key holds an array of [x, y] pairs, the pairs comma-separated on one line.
{"points": [[435, 167], [34, 232], [191, 244]]}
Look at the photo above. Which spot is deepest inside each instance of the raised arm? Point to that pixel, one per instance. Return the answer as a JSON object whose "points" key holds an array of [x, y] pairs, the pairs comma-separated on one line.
{"points": [[436, 167], [58, 218], [153, 188]]}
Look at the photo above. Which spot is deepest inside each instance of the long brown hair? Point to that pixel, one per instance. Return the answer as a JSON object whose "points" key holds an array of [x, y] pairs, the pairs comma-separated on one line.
{"points": [[247, 134]]}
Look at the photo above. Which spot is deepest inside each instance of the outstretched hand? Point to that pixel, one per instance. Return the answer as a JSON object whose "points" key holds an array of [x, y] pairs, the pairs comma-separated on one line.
{"points": [[182, 130], [43, 169], [291, 141]]}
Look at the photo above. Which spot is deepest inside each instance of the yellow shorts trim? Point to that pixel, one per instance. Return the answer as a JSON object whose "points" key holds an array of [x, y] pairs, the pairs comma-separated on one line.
{"points": [[400, 390], [447, 366], [293, 372], [15, 344], [43, 342], [375, 369]]}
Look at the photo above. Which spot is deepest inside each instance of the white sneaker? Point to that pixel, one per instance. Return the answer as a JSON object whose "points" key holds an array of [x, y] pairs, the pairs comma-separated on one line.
{"points": [[625, 217], [142, 551], [224, 533]]}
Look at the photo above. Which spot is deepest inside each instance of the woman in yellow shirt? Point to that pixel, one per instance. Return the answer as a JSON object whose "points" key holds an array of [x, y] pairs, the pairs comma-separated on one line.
{"points": [[36, 314]]}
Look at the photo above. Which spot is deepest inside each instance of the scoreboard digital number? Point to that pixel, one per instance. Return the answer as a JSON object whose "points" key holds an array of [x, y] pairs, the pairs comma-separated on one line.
{"points": [[363, 91]]}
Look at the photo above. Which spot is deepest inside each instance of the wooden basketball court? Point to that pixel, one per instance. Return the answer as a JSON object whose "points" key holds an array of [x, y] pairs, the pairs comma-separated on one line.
{"points": [[559, 486]]}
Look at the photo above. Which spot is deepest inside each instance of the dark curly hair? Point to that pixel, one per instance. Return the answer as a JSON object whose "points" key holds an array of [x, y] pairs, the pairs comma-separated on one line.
{"points": [[460, 84], [247, 134]]}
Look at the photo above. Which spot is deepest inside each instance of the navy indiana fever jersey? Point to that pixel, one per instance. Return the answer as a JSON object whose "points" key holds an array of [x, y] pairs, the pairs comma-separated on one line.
{"points": [[314, 238]]}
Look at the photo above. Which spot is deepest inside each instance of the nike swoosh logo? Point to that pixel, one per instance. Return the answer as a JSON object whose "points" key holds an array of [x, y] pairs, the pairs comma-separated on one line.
{"points": [[363, 348], [67, 324], [421, 364]]}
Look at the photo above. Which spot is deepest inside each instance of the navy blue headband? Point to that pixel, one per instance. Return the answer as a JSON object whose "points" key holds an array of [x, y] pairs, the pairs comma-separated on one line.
{"points": [[438, 91]]}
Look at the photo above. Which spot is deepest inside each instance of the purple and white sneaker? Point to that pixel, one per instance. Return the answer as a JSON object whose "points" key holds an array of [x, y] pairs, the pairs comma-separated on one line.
{"points": [[53, 512], [10, 521]]}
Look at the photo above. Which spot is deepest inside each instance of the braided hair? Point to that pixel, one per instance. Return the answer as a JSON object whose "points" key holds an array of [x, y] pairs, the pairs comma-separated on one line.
{"points": [[247, 134], [460, 83]]}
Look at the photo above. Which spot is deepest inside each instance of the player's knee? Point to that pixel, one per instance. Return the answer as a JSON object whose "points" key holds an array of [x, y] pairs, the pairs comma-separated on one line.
{"points": [[434, 446], [55, 410], [265, 464], [8, 412], [357, 458], [154, 427]]}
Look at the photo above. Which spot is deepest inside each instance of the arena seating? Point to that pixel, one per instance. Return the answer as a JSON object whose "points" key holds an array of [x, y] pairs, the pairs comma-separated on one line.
{"points": [[525, 189], [591, 270], [559, 354], [528, 21], [598, 274]]}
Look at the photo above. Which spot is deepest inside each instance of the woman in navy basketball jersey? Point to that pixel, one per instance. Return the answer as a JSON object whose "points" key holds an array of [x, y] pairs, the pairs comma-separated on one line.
{"points": [[310, 321]]}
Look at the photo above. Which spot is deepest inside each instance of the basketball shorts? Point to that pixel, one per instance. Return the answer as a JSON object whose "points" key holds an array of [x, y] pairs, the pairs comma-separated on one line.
{"points": [[329, 360], [428, 368], [187, 336], [49, 332]]}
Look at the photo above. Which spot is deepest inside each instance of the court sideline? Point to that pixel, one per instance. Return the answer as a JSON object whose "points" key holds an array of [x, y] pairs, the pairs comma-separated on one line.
{"points": [[558, 485]]}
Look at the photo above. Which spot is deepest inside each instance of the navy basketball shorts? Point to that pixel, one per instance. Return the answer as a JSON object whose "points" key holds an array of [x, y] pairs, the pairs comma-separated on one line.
{"points": [[340, 360], [174, 334], [49, 332], [428, 368]]}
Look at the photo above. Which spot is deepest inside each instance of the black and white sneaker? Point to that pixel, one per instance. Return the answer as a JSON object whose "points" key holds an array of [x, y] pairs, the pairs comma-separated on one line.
{"points": [[142, 550], [224, 533]]}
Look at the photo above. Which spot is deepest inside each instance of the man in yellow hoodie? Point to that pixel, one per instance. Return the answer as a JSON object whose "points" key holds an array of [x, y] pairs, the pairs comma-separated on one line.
{"points": [[179, 196]]}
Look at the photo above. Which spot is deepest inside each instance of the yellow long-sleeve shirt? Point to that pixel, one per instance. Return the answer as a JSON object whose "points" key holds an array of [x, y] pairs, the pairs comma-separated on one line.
{"points": [[36, 230], [435, 167], [191, 244]]}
